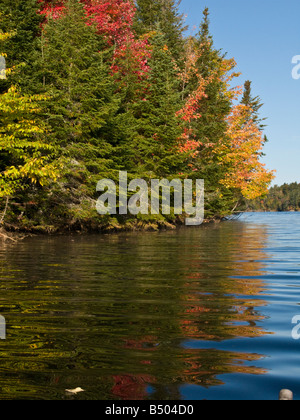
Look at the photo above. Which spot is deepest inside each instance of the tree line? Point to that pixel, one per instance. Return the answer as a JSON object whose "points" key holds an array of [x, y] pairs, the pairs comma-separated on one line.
{"points": [[280, 198], [94, 87]]}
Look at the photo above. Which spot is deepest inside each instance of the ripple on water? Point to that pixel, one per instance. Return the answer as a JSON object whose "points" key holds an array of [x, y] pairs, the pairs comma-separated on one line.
{"points": [[196, 313]]}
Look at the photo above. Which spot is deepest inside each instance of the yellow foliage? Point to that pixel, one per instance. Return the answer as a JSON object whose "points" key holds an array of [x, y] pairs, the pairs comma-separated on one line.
{"points": [[241, 155], [22, 140]]}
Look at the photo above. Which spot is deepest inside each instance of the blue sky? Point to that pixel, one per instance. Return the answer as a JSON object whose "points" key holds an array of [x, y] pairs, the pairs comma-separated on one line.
{"points": [[263, 36]]}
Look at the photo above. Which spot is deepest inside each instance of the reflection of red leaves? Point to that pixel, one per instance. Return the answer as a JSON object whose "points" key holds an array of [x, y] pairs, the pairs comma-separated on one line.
{"points": [[148, 343], [131, 387], [197, 309]]}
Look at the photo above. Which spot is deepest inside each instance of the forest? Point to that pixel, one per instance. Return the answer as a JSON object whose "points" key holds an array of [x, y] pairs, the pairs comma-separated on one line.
{"points": [[280, 198], [94, 87]]}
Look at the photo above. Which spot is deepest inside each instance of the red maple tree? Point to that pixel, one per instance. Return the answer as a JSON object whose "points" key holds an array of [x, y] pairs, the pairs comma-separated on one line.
{"points": [[114, 21]]}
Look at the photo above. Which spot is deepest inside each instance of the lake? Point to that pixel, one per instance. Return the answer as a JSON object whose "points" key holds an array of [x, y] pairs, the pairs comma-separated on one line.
{"points": [[197, 313]]}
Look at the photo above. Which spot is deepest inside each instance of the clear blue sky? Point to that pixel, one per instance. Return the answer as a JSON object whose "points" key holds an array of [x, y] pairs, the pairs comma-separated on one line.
{"points": [[263, 36]]}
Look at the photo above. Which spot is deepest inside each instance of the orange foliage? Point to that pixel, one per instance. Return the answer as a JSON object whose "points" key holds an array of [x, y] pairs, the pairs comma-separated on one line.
{"points": [[242, 154]]}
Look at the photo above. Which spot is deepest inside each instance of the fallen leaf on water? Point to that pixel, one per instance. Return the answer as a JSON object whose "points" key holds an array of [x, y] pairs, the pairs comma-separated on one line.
{"points": [[74, 391]]}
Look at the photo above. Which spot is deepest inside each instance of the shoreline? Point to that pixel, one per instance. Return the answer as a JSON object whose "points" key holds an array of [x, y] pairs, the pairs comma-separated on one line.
{"points": [[17, 232]]}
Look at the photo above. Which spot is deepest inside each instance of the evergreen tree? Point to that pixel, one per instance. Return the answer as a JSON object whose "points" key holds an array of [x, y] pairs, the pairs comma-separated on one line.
{"points": [[164, 13], [159, 128], [146, 130], [73, 71], [100, 90], [255, 104], [280, 198], [22, 20], [208, 104], [217, 104]]}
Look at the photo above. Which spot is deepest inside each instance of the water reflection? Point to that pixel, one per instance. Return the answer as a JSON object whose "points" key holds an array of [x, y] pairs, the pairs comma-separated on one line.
{"points": [[125, 317]]}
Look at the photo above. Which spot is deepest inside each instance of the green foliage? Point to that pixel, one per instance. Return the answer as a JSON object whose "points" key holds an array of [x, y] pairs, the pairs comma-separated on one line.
{"points": [[21, 19], [214, 108], [163, 13], [82, 102], [158, 129], [255, 104], [280, 198]]}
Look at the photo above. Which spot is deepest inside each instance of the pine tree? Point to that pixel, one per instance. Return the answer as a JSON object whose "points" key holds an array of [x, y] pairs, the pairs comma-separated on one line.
{"points": [[22, 20], [159, 126], [255, 104], [208, 100], [104, 86], [216, 105], [164, 13], [73, 71]]}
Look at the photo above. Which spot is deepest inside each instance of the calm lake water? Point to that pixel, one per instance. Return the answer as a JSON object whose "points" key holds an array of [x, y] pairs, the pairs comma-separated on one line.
{"points": [[199, 313]]}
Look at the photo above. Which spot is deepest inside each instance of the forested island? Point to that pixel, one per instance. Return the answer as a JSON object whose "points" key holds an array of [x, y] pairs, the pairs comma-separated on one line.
{"points": [[280, 198], [95, 87]]}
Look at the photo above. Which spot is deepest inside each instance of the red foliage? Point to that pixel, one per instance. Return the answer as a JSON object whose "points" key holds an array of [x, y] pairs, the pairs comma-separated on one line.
{"points": [[131, 387], [52, 8], [114, 20]]}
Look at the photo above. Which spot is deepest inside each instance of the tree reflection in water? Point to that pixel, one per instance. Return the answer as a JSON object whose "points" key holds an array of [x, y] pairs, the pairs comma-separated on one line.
{"points": [[116, 315]]}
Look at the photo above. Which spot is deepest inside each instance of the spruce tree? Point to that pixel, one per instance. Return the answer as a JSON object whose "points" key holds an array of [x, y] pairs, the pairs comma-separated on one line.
{"points": [[146, 130], [164, 13], [159, 126], [254, 103], [22, 20], [216, 106], [209, 129], [73, 72]]}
